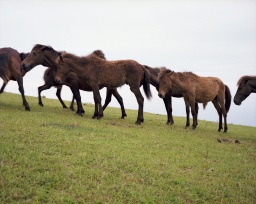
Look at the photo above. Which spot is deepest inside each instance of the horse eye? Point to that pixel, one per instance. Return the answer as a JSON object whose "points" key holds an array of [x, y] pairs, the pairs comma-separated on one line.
{"points": [[34, 54]]}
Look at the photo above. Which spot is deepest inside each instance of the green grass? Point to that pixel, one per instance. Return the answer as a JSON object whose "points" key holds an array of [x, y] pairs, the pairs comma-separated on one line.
{"points": [[51, 155]]}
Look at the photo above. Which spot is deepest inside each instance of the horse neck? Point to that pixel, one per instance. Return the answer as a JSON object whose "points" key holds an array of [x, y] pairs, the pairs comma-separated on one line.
{"points": [[253, 85], [178, 85], [50, 60], [72, 65]]}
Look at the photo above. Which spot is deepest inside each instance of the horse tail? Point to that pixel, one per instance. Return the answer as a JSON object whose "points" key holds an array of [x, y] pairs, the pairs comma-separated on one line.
{"points": [[228, 98], [146, 83]]}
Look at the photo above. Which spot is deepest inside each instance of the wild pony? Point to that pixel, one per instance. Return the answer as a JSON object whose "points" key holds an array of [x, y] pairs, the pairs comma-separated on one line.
{"points": [[92, 73], [10, 69], [196, 89], [246, 86], [168, 97], [49, 79]]}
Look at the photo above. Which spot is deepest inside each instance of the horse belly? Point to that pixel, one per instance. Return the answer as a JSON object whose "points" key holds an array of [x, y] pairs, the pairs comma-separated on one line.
{"points": [[112, 80]]}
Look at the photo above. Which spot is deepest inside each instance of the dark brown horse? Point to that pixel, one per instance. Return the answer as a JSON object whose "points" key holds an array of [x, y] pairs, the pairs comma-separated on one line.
{"points": [[246, 86], [92, 73], [10, 69], [197, 89], [168, 97], [49, 78]]}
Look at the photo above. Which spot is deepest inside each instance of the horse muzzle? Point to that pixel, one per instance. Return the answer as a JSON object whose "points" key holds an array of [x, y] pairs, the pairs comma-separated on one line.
{"points": [[25, 67], [237, 102], [161, 95]]}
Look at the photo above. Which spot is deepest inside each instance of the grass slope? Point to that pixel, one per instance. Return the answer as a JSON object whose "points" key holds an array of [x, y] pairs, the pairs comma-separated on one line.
{"points": [[51, 155]]}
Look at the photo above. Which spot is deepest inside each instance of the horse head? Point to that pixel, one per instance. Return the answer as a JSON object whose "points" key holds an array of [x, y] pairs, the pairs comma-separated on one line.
{"points": [[165, 83], [243, 91], [40, 54]]}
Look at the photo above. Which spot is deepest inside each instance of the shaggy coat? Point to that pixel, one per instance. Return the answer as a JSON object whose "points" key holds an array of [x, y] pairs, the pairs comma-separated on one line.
{"points": [[196, 89], [49, 79], [92, 73]]}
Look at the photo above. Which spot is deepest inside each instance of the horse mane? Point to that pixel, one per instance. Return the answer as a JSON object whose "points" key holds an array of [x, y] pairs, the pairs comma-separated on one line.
{"points": [[163, 71], [181, 75], [84, 59], [246, 77], [48, 48]]}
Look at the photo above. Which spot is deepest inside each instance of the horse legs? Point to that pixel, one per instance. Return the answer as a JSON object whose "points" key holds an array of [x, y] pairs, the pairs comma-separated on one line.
{"points": [[223, 111], [108, 98], [3, 86], [194, 109], [71, 107], [168, 106], [140, 101], [217, 107], [98, 111], [59, 88], [120, 101], [42, 88], [187, 113], [76, 93], [21, 89]]}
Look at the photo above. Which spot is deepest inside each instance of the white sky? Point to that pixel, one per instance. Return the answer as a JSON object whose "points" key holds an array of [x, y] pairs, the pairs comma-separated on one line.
{"points": [[209, 38]]}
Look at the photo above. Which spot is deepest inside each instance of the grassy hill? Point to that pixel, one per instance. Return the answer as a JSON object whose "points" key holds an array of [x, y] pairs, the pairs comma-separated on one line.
{"points": [[51, 155]]}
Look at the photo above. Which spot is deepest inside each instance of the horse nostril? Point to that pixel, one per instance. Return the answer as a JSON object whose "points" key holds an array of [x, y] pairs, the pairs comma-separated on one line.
{"points": [[160, 95]]}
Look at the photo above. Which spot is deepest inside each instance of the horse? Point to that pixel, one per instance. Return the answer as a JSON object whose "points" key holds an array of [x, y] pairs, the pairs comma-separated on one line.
{"points": [[10, 69], [168, 97], [49, 79], [92, 72], [197, 89], [246, 86]]}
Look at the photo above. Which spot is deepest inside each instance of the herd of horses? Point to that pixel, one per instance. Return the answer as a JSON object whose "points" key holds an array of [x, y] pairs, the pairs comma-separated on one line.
{"points": [[94, 72]]}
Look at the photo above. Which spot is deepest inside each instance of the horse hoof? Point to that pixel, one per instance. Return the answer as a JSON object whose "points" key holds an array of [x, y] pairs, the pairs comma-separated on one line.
{"points": [[81, 114], [124, 115], [138, 122], [27, 108], [41, 104]]}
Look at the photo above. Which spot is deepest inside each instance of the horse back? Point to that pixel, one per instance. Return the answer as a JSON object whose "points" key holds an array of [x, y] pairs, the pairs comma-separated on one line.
{"points": [[120, 72]]}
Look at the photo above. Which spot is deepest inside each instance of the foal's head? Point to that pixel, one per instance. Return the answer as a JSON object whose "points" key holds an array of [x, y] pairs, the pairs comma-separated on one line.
{"points": [[165, 83], [38, 56]]}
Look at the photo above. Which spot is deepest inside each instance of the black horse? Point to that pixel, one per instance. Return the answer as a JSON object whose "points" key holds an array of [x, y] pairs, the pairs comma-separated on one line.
{"points": [[246, 86]]}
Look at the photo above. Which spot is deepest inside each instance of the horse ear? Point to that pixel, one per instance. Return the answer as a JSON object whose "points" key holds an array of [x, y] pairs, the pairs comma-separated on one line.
{"points": [[245, 81], [44, 48], [170, 72], [60, 55]]}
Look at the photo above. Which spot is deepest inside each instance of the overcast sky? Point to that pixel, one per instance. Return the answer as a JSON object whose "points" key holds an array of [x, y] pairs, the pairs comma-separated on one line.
{"points": [[209, 38]]}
